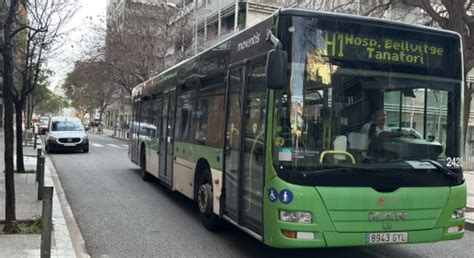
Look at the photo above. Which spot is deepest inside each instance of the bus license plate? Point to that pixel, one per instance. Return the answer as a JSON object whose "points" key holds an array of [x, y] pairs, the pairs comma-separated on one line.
{"points": [[389, 237]]}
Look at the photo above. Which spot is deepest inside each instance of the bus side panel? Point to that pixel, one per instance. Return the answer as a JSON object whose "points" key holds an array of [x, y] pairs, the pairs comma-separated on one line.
{"points": [[183, 177], [152, 160], [187, 155], [216, 190]]}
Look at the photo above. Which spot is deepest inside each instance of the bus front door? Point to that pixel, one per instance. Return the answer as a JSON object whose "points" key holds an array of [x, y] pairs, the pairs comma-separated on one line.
{"points": [[166, 139], [244, 149]]}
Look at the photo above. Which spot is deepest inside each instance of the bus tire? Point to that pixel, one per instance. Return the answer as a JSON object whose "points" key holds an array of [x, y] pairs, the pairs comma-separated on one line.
{"points": [[145, 175], [205, 202]]}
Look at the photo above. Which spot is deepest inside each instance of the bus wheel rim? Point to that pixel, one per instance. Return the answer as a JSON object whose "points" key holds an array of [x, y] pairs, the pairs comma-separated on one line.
{"points": [[203, 198]]}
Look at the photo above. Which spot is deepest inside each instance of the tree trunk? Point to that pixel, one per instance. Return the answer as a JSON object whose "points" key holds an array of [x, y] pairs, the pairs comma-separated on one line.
{"points": [[29, 111], [20, 166], [10, 211], [102, 109], [115, 122]]}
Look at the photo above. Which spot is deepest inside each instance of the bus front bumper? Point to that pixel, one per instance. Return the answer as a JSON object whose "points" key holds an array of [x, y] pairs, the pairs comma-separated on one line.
{"points": [[338, 239]]}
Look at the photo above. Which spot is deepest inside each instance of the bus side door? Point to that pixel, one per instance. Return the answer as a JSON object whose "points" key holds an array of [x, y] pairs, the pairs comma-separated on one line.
{"points": [[167, 137]]}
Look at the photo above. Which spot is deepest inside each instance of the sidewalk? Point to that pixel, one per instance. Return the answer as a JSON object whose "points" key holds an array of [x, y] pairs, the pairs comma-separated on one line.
{"points": [[27, 207]]}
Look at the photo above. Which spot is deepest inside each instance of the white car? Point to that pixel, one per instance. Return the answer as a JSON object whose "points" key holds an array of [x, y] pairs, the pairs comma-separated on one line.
{"points": [[65, 134]]}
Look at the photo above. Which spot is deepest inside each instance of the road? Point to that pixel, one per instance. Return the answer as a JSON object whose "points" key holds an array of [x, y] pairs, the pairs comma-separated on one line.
{"points": [[122, 216]]}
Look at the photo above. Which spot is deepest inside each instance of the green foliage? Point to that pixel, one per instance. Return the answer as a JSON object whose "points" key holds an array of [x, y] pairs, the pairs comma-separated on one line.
{"points": [[41, 91], [88, 86], [31, 227], [52, 104], [45, 100], [78, 93]]}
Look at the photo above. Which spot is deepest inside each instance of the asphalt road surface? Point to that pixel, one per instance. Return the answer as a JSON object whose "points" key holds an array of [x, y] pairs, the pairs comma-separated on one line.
{"points": [[122, 216]]}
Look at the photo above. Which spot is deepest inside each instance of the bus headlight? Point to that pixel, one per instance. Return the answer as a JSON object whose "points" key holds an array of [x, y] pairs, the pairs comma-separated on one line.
{"points": [[303, 217], [458, 213]]}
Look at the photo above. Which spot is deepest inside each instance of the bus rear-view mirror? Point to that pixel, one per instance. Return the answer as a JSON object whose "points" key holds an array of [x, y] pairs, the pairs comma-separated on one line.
{"points": [[277, 75]]}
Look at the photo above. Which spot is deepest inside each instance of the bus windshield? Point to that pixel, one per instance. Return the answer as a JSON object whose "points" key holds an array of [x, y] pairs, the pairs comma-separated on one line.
{"points": [[361, 96]]}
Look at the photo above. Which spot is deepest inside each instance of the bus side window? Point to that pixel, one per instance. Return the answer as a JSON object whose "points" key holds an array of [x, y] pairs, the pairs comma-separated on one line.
{"points": [[184, 112], [209, 115], [156, 112]]}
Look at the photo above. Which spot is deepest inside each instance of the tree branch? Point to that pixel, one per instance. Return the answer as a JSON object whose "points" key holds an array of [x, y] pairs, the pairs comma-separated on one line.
{"points": [[24, 28], [426, 6], [383, 7]]}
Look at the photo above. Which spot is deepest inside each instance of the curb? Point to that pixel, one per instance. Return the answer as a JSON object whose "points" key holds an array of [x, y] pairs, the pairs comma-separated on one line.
{"points": [[110, 136], [118, 138], [469, 225], [75, 235]]}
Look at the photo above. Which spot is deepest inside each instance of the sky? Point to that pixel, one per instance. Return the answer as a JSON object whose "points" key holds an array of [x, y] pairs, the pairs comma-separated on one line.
{"points": [[88, 15]]}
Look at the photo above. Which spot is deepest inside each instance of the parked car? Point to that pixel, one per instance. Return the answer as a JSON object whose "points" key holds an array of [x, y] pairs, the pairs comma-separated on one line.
{"points": [[65, 134], [43, 125], [35, 120]]}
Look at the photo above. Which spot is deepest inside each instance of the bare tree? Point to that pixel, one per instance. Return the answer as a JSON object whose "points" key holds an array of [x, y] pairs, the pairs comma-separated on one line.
{"points": [[43, 27], [139, 41], [10, 8]]}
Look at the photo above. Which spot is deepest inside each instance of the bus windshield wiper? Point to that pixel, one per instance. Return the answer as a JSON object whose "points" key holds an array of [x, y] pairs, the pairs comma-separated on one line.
{"points": [[325, 170], [332, 169], [442, 169]]}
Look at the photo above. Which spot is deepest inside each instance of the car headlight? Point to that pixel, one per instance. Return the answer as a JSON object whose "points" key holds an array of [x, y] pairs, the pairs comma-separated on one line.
{"points": [[52, 138], [85, 138], [303, 217], [458, 213]]}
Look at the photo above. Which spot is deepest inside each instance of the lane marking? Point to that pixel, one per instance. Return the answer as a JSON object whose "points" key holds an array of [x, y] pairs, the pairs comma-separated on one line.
{"points": [[125, 145], [97, 145], [113, 145]]}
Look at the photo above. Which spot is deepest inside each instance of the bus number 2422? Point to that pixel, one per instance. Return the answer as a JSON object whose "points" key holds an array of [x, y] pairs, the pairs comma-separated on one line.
{"points": [[454, 161]]}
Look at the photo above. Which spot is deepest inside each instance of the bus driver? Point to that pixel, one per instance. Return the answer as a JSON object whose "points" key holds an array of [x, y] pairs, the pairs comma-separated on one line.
{"points": [[376, 127]]}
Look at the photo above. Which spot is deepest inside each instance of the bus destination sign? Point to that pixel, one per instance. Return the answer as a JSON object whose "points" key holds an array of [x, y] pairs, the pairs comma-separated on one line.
{"points": [[386, 49]]}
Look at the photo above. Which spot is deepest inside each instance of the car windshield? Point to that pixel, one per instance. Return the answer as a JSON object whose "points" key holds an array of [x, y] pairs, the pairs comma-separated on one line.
{"points": [[338, 111], [67, 126]]}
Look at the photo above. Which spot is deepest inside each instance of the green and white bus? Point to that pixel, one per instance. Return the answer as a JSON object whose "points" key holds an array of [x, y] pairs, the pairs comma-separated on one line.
{"points": [[274, 130]]}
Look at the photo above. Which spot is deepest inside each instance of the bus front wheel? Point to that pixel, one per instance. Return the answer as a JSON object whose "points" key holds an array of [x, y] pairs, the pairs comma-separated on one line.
{"points": [[205, 202]]}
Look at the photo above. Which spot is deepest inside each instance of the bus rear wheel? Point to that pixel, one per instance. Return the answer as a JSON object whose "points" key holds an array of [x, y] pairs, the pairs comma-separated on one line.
{"points": [[205, 202]]}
